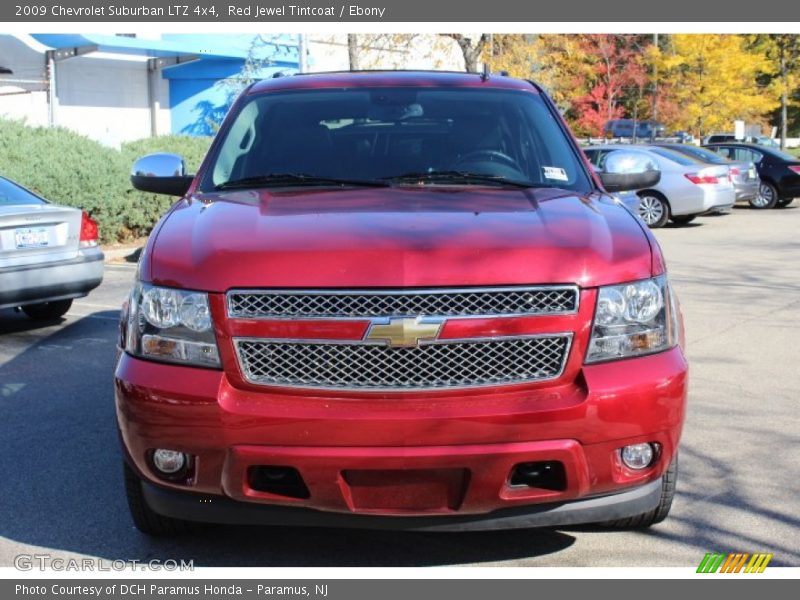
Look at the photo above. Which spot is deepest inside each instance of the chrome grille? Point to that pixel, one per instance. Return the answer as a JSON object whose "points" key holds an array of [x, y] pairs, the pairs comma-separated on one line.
{"points": [[431, 365], [467, 302]]}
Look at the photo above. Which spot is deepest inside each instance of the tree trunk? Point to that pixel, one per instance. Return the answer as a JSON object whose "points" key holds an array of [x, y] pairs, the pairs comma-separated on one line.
{"points": [[352, 51], [784, 98]]}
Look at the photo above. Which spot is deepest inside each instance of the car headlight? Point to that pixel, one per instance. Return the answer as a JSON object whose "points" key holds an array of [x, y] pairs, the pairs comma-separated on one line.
{"points": [[633, 319], [171, 325]]}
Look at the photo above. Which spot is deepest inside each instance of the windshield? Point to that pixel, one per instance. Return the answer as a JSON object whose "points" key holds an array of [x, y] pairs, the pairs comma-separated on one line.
{"points": [[396, 136], [675, 157], [12, 194], [700, 154]]}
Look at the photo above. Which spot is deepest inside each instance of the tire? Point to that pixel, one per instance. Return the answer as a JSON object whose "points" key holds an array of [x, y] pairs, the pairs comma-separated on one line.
{"points": [[682, 219], [653, 209], [146, 519], [47, 311], [784, 202], [660, 512], [767, 197]]}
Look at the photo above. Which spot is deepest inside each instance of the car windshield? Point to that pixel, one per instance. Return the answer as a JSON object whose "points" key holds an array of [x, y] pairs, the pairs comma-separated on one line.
{"points": [[700, 154], [675, 157], [12, 194], [395, 136]]}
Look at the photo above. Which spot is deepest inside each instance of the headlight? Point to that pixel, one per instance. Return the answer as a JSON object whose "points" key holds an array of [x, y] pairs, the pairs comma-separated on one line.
{"points": [[171, 325], [633, 319]]}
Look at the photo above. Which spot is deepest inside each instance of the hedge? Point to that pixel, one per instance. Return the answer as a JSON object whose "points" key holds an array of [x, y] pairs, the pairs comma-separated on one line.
{"points": [[70, 169]]}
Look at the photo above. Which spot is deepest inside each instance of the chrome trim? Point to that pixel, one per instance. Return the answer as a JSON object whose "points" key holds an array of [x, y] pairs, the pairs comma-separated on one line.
{"points": [[399, 292], [564, 360]]}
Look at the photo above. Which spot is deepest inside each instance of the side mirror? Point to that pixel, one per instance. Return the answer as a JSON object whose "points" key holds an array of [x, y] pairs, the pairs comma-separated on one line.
{"points": [[161, 173], [625, 170]]}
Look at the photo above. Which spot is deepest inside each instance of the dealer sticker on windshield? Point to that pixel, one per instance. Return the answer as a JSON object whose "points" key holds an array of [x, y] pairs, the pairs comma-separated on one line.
{"points": [[556, 173]]}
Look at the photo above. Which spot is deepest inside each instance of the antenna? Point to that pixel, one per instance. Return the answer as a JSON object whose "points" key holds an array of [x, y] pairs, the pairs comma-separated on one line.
{"points": [[487, 72]]}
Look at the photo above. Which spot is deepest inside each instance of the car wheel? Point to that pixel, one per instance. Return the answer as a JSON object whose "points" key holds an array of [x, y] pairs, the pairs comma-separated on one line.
{"points": [[767, 196], [784, 202], [145, 518], [682, 219], [653, 209], [660, 512], [47, 311]]}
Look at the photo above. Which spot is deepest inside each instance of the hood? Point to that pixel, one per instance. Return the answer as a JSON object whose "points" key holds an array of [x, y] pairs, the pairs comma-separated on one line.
{"points": [[396, 237]]}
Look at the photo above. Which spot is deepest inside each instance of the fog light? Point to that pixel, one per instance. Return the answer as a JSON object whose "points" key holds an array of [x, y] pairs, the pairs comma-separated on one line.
{"points": [[637, 456], [169, 461]]}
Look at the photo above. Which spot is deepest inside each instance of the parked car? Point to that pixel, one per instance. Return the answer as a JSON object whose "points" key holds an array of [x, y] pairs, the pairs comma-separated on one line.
{"points": [[761, 140], [778, 170], [687, 188], [629, 128], [743, 173], [48, 253], [403, 300]]}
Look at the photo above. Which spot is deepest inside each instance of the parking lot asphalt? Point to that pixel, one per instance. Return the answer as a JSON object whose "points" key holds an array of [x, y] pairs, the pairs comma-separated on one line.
{"points": [[738, 278]]}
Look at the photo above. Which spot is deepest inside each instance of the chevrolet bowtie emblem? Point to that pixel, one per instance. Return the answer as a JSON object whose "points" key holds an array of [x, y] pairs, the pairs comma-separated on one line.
{"points": [[405, 332]]}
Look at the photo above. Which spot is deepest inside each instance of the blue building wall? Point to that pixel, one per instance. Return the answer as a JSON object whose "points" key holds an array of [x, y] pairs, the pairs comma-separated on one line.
{"points": [[202, 91]]}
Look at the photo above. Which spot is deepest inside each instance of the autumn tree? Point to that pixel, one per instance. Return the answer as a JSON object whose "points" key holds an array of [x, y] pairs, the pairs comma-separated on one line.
{"points": [[472, 48], [714, 81], [617, 74], [782, 52]]}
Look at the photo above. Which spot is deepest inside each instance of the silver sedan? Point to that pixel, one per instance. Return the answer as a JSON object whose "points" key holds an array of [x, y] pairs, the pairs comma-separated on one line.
{"points": [[744, 176], [687, 188], [48, 254]]}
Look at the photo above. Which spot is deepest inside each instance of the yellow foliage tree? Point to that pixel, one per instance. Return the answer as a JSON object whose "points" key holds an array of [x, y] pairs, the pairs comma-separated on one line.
{"points": [[556, 61], [714, 81]]}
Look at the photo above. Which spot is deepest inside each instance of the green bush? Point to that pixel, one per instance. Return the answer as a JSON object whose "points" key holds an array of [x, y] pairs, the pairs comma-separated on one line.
{"points": [[70, 169]]}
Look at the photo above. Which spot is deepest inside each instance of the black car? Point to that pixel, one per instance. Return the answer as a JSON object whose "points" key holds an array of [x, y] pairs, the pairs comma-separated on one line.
{"points": [[779, 171]]}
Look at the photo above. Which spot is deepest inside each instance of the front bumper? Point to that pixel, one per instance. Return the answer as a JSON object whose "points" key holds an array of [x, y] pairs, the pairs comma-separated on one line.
{"points": [[214, 509], [414, 461], [49, 281]]}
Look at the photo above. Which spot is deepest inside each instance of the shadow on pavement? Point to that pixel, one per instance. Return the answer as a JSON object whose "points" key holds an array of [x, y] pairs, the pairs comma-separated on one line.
{"points": [[62, 477]]}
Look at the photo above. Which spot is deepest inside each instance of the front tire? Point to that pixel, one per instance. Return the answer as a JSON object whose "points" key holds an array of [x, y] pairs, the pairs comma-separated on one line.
{"points": [[653, 209], [47, 311], [767, 197], [145, 518], [668, 482]]}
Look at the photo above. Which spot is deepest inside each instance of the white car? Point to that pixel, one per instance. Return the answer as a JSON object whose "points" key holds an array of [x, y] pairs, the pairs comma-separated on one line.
{"points": [[687, 187], [48, 254]]}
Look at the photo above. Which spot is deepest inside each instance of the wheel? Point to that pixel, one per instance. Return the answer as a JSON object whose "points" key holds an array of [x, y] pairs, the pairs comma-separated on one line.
{"points": [[660, 512], [682, 219], [767, 196], [653, 209], [784, 202], [146, 519], [47, 311]]}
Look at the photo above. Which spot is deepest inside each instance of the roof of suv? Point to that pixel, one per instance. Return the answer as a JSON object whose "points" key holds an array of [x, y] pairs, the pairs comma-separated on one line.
{"points": [[446, 79]]}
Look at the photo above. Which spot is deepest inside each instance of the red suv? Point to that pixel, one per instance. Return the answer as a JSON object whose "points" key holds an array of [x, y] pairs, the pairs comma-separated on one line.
{"points": [[399, 300]]}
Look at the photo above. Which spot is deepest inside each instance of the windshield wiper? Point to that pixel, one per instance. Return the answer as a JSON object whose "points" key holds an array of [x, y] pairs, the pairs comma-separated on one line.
{"points": [[462, 177], [296, 179]]}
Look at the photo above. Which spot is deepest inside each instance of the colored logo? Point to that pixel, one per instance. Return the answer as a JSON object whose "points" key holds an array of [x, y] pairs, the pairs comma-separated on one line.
{"points": [[734, 563]]}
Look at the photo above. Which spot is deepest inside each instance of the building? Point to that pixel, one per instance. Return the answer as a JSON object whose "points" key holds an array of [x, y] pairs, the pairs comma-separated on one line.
{"points": [[116, 88], [120, 87]]}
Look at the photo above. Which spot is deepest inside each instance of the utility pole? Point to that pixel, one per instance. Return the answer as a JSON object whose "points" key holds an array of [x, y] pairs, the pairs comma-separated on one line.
{"points": [[655, 92]]}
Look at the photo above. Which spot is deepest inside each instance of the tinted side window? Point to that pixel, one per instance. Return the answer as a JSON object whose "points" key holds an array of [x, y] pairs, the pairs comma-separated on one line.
{"points": [[745, 154]]}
